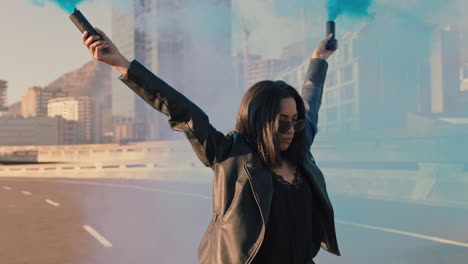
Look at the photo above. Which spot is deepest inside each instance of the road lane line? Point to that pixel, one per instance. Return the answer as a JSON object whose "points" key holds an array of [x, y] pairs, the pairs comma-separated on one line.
{"points": [[432, 238], [411, 234], [130, 186], [52, 202], [6, 188], [97, 236], [25, 192]]}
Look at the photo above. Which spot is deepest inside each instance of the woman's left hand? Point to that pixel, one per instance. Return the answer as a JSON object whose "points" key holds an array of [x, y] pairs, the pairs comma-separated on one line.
{"points": [[321, 52]]}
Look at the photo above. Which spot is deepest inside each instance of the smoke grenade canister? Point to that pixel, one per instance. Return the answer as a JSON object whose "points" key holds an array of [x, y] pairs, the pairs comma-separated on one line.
{"points": [[82, 23], [331, 29]]}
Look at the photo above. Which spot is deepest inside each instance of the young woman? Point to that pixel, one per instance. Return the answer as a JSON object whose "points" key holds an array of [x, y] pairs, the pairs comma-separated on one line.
{"points": [[270, 203]]}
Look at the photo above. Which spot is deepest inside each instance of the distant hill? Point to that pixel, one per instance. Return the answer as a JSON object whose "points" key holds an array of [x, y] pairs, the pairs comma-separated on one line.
{"points": [[92, 79]]}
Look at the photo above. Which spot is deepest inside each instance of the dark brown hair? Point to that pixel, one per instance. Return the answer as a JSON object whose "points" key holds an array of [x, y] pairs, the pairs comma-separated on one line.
{"points": [[257, 120]]}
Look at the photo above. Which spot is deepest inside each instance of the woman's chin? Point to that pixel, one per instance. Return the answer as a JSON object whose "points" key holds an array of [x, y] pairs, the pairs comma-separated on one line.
{"points": [[284, 147]]}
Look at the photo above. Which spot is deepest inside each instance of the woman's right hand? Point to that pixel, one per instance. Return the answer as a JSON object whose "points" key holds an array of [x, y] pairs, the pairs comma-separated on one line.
{"points": [[105, 50]]}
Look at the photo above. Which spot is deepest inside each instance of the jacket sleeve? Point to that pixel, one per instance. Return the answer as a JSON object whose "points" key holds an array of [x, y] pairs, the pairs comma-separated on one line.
{"points": [[208, 143], [312, 91]]}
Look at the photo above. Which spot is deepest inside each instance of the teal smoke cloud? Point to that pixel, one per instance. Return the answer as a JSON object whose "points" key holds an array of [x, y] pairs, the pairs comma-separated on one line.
{"points": [[350, 7], [67, 5]]}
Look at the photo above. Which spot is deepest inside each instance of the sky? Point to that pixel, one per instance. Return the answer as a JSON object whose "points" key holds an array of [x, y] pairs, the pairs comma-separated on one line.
{"points": [[41, 43]]}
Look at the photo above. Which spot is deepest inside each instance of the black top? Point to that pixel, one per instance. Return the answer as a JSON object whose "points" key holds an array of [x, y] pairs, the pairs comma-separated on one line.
{"points": [[293, 232]]}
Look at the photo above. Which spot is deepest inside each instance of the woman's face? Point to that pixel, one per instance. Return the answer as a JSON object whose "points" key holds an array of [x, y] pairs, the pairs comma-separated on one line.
{"points": [[288, 112]]}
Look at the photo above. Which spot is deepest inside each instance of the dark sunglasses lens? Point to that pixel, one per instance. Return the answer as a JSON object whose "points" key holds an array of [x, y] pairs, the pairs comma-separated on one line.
{"points": [[284, 126], [299, 125]]}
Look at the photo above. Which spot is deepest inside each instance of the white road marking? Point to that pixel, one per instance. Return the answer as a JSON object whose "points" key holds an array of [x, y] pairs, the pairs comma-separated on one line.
{"points": [[6, 188], [52, 202], [25, 192], [432, 238], [411, 234], [97, 236], [117, 185]]}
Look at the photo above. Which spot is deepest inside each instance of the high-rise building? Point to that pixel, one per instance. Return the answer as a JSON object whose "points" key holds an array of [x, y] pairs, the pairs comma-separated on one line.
{"points": [[160, 35], [367, 88], [462, 98], [239, 62], [264, 69], [464, 77], [3, 95], [445, 70], [128, 109], [34, 101], [79, 109]]}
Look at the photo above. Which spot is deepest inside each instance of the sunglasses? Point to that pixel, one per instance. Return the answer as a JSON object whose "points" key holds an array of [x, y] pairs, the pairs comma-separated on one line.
{"points": [[284, 125]]}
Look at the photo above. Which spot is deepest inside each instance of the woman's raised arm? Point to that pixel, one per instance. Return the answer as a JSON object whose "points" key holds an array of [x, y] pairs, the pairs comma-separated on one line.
{"points": [[105, 50], [209, 144], [312, 88]]}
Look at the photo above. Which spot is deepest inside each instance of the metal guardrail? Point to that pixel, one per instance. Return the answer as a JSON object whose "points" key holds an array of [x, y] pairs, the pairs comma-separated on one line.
{"points": [[97, 166]]}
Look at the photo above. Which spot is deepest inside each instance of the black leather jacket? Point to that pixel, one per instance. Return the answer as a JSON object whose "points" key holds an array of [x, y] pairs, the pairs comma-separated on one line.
{"points": [[242, 187]]}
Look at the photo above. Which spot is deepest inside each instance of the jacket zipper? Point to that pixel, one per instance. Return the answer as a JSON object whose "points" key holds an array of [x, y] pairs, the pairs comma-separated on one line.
{"points": [[249, 260]]}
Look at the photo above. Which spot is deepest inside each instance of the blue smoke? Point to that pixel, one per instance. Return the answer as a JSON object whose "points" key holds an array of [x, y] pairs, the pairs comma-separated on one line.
{"points": [[67, 5], [350, 7]]}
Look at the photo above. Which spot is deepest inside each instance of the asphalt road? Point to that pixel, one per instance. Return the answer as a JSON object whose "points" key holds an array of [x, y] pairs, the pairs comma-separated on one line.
{"points": [[59, 221]]}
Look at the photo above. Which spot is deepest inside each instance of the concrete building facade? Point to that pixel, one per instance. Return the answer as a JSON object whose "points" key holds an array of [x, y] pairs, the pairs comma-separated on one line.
{"points": [[42, 130], [157, 34], [464, 77], [367, 88], [264, 69], [34, 101], [79, 109], [3, 95], [445, 70]]}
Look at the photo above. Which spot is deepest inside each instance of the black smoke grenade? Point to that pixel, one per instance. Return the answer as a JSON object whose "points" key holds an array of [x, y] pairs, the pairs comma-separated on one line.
{"points": [[82, 23], [331, 29]]}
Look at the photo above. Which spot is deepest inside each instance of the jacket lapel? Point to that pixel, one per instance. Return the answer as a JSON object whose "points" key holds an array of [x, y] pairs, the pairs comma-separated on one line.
{"points": [[262, 185]]}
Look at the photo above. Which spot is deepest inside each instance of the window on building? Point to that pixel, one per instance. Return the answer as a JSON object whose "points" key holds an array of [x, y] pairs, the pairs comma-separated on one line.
{"points": [[332, 97], [347, 126], [348, 91], [347, 73], [347, 111], [332, 114], [331, 79], [354, 49], [345, 52]]}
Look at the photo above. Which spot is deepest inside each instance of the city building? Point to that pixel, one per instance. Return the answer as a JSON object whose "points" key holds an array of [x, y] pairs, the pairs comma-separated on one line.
{"points": [[14, 110], [462, 98], [367, 88], [445, 70], [34, 101], [80, 109], [250, 69], [42, 130], [295, 53], [464, 77], [239, 61], [264, 69], [161, 35], [3, 95]]}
